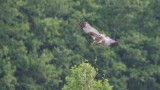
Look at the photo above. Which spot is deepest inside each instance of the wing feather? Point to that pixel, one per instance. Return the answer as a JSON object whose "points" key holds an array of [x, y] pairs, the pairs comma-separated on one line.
{"points": [[88, 29]]}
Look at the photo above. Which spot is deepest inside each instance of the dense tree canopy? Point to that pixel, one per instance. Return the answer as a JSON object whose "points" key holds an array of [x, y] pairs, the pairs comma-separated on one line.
{"points": [[82, 78], [40, 40]]}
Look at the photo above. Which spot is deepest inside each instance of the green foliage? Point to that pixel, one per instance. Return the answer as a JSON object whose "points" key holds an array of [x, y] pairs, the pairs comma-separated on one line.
{"points": [[83, 78], [40, 40], [7, 78]]}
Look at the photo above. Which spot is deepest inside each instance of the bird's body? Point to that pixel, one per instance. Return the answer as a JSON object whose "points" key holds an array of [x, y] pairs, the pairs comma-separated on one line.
{"points": [[97, 37]]}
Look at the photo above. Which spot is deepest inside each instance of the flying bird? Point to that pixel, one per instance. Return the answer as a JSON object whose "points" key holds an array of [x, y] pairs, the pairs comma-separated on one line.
{"points": [[96, 36]]}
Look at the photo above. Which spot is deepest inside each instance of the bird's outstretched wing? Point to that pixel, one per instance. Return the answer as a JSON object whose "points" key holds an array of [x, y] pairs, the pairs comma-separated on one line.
{"points": [[97, 37], [88, 29]]}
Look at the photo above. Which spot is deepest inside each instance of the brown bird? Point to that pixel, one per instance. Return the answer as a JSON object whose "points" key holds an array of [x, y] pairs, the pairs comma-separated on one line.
{"points": [[97, 37]]}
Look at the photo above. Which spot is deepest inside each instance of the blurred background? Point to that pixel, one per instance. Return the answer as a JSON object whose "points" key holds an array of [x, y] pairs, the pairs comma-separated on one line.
{"points": [[40, 40]]}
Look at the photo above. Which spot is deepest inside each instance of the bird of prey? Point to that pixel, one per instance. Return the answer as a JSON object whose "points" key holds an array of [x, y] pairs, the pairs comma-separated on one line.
{"points": [[97, 37]]}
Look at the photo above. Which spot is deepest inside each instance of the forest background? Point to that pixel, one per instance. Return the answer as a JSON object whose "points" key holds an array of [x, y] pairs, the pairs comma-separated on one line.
{"points": [[40, 40]]}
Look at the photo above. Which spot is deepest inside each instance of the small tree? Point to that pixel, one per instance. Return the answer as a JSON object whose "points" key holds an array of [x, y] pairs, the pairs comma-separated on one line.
{"points": [[82, 78]]}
